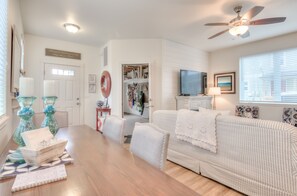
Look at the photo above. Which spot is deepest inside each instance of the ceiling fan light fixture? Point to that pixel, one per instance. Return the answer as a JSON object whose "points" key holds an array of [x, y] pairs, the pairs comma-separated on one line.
{"points": [[238, 30], [71, 28]]}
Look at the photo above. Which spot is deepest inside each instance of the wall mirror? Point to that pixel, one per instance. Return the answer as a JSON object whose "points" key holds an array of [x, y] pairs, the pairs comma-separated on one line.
{"points": [[17, 59]]}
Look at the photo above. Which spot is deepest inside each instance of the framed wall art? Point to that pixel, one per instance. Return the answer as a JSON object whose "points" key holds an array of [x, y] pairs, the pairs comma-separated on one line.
{"points": [[92, 88], [92, 79], [226, 81]]}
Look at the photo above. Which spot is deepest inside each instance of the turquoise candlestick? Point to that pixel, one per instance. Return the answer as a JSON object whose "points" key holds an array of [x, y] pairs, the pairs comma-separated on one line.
{"points": [[25, 113], [49, 111], [26, 124]]}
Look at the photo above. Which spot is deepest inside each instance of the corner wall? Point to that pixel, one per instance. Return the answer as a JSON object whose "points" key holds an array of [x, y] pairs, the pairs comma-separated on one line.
{"points": [[134, 51], [227, 60], [165, 57], [14, 19], [175, 57], [90, 64]]}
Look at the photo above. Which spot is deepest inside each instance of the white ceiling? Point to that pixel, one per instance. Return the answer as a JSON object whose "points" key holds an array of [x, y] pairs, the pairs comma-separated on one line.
{"points": [[177, 20]]}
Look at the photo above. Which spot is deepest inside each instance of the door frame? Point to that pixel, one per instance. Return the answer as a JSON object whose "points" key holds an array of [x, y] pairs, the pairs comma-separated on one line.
{"points": [[81, 82], [149, 81]]}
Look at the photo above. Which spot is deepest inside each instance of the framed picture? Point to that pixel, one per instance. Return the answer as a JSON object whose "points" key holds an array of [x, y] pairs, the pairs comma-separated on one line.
{"points": [[92, 88], [226, 81], [92, 78]]}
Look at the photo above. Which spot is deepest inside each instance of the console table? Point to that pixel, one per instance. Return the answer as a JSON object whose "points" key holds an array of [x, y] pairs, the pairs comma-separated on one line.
{"points": [[102, 111], [193, 102]]}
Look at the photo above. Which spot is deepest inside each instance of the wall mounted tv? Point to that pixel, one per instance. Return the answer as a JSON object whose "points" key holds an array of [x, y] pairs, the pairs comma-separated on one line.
{"points": [[192, 83]]}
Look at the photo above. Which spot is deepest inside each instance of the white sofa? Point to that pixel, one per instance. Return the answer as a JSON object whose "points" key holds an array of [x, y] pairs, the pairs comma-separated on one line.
{"points": [[255, 157]]}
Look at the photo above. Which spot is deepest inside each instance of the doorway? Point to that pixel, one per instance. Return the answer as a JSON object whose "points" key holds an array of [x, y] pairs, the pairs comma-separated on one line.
{"points": [[68, 89], [135, 95]]}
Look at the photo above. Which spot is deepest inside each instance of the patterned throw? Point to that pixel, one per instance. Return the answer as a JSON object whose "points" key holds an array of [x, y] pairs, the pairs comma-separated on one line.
{"points": [[290, 116], [247, 111], [10, 169], [197, 128]]}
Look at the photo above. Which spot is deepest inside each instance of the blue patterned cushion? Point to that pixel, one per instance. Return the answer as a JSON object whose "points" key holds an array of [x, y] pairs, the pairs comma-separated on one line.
{"points": [[247, 111], [290, 116]]}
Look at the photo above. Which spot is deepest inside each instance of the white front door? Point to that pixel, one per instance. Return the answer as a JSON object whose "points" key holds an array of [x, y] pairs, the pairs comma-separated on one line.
{"points": [[67, 82]]}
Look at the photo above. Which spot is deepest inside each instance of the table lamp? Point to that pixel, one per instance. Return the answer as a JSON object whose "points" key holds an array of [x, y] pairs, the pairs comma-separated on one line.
{"points": [[214, 91]]}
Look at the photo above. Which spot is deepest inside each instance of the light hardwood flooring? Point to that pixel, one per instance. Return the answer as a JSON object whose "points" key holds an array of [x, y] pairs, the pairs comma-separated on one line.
{"points": [[196, 182]]}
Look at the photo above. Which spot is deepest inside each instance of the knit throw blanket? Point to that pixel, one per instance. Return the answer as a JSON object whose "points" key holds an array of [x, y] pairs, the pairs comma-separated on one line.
{"points": [[198, 128]]}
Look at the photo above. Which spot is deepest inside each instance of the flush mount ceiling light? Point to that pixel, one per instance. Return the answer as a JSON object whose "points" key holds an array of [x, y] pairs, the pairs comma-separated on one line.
{"points": [[238, 30], [71, 28]]}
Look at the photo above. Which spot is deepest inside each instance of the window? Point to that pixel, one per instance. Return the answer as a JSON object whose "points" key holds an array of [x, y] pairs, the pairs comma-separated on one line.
{"points": [[270, 77], [3, 55], [62, 72]]}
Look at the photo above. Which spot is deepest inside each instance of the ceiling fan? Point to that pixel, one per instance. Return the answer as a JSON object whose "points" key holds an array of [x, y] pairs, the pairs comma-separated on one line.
{"points": [[239, 26]]}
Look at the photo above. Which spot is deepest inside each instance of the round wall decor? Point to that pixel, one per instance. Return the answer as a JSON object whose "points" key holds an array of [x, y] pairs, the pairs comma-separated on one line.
{"points": [[105, 84]]}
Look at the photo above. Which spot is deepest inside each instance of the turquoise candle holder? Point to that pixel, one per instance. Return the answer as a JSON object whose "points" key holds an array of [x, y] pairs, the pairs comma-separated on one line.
{"points": [[25, 113], [49, 111], [26, 124]]}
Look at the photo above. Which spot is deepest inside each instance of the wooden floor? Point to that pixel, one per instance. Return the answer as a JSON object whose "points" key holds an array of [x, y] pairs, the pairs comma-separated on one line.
{"points": [[196, 182]]}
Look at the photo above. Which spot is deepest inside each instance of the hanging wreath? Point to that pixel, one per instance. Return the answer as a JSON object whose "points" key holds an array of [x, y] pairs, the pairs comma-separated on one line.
{"points": [[105, 84]]}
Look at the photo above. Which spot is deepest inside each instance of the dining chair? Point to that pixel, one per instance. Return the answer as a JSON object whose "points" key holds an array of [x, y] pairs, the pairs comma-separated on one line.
{"points": [[60, 116], [38, 119], [113, 128], [150, 143]]}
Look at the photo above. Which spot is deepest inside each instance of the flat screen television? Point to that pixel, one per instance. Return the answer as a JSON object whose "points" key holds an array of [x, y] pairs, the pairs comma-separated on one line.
{"points": [[192, 83]]}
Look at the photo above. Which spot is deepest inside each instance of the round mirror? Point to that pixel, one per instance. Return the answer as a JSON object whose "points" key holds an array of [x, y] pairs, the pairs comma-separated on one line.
{"points": [[105, 84]]}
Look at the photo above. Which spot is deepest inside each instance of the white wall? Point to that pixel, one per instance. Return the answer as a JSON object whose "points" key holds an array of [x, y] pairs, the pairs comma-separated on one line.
{"points": [[129, 52], [177, 56], [14, 19], [227, 60], [165, 57], [90, 64]]}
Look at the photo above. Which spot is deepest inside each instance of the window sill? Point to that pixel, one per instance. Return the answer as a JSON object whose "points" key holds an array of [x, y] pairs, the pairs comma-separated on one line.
{"points": [[3, 121], [269, 104]]}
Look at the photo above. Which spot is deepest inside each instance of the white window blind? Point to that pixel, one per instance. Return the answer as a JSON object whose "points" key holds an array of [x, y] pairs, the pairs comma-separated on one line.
{"points": [[270, 77], [3, 55]]}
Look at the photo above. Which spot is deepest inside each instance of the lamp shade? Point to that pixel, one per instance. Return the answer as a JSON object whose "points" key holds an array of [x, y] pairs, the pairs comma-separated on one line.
{"points": [[214, 91]]}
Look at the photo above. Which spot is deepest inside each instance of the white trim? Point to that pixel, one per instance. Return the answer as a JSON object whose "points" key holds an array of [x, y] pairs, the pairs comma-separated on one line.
{"points": [[3, 121], [151, 98], [268, 103], [81, 67]]}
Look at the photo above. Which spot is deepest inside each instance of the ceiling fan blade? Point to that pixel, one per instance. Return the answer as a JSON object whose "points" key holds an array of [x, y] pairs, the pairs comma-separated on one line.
{"points": [[217, 24], [252, 12], [220, 33], [247, 34], [268, 21]]}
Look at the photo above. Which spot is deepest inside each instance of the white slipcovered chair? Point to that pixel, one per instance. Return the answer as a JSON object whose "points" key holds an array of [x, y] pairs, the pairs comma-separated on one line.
{"points": [[113, 128], [150, 143], [60, 116], [38, 118]]}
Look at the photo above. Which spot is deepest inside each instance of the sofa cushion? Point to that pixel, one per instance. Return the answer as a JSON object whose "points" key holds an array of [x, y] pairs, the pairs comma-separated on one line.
{"points": [[290, 116], [247, 111]]}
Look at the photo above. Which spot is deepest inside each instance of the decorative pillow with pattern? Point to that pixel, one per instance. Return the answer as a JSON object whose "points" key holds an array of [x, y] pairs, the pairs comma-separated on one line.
{"points": [[247, 111], [290, 116]]}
